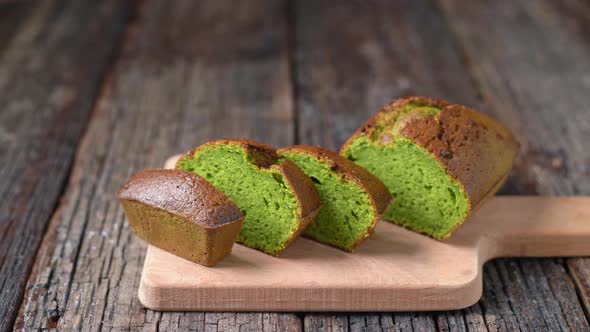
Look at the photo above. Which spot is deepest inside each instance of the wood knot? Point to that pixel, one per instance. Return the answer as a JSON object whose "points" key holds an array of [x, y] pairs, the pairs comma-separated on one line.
{"points": [[52, 318]]}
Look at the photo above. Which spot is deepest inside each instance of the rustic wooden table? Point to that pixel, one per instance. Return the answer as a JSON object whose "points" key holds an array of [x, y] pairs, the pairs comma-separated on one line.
{"points": [[93, 91]]}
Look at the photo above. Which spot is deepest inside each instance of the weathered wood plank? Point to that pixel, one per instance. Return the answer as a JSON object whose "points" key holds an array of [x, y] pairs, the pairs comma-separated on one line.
{"points": [[189, 71], [533, 68], [350, 59], [12, 18], [579, 268], [52, 58], [325, 322]]}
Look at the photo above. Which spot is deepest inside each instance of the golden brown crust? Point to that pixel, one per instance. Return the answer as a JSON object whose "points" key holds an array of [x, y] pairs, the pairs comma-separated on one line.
{"points": [[181, 193], [262, 155], [475, 150], [392, 107], [367, 128], [182, 213], [304, 189], [202, 245], [265, 156], [306, 194]]}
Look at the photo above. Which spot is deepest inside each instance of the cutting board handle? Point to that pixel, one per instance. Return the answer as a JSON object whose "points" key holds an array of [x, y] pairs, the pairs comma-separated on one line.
{"points": [[529, 226]]}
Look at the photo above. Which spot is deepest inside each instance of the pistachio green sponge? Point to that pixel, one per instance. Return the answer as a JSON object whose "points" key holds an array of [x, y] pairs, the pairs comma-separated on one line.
{"points": [[352, 198]]}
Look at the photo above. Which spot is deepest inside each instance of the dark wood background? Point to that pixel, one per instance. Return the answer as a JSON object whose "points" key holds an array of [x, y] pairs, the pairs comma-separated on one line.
{"points": [[93, 91]]}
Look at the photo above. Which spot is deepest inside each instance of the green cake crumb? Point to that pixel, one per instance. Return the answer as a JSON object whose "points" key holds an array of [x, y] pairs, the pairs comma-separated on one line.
{"points": [[425, 198], [346, 216]]}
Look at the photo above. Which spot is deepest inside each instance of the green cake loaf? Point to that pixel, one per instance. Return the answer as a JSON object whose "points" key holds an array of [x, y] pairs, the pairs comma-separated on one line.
{"points": [[182, 213], [276, 197], [440, 161], [352, 198]]}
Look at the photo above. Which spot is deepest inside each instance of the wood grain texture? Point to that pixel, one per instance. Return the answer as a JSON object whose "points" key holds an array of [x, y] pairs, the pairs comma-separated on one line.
{"points": [[531, 69], [527, 60], [394, 270], [533, 64], [52, 58], [403, 322], [350, 59], [188, 72]]}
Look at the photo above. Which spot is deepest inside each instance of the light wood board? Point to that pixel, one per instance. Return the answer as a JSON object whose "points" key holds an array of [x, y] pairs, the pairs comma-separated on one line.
{"points": [[394, 270]]}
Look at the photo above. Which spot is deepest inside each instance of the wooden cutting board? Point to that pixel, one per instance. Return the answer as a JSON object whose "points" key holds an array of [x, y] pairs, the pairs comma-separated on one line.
{"points": [[394, 270]]}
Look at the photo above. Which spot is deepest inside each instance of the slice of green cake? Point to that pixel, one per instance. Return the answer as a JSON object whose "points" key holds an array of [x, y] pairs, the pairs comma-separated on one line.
{"points": [[352, 198], [181, 213], [440, 161], [276, 197]]}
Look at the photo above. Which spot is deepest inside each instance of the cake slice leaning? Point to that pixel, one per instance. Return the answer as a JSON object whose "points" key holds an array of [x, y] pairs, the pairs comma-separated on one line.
{"points": [[352, 198], [182, 213], [276, 197], [440, 161]]}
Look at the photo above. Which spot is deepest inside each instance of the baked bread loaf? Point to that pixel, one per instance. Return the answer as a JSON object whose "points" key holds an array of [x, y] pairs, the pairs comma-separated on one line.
{"points": [[440, 161], [276, 197], [352, 198], [182, 213]]}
